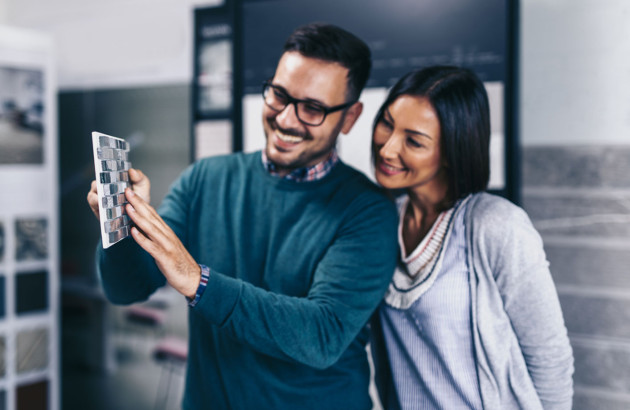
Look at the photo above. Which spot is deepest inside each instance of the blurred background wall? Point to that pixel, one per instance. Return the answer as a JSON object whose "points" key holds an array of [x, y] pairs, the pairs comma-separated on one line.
{"points": [[124, 66], [575, 130]]}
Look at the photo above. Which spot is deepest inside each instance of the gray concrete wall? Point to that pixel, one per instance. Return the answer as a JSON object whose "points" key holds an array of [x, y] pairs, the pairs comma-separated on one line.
{"points": [[579, 200]]}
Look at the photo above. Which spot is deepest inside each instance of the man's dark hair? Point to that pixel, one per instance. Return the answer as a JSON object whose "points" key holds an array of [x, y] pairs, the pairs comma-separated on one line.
{"points": [[331, 43], [460, 100]]}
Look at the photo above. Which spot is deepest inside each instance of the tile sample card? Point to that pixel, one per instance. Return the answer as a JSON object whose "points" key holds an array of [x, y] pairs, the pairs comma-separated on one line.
{"points": [[32, 350], [31, 238], [32, 396], [31, 292], [111, 164]]}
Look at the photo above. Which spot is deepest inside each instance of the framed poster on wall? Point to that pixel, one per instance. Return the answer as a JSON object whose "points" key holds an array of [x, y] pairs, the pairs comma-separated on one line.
{"points": [[21, 114], [213, 80], [215, 126]]}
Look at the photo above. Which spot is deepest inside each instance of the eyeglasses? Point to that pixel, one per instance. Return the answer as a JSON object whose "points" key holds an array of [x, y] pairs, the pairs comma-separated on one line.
{"points": [[308, 112]]}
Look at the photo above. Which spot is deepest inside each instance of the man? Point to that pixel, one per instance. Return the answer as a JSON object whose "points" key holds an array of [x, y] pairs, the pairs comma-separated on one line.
{"points": [[283, 254]]}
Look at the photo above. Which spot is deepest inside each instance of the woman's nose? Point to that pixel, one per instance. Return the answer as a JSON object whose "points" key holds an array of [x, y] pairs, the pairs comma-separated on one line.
{"points": [[391, 148]]}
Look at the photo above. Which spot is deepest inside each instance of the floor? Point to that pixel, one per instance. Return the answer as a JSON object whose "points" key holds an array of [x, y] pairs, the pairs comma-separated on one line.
{"points": [[135, 381]]}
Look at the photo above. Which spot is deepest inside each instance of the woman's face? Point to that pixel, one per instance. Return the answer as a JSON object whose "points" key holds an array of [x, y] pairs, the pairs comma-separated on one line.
{"points": [[407, 142]]}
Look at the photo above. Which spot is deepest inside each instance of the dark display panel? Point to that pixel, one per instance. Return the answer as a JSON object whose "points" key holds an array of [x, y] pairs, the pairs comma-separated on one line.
{"points": [[405, 35], [402, 34]]}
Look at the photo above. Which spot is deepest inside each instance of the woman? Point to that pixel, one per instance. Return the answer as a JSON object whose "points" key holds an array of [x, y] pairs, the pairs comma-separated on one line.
{"points": [[471, 319]]}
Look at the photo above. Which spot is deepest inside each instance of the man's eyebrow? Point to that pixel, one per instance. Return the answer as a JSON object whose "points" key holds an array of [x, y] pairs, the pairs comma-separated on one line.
{"points": [[309, 100]]}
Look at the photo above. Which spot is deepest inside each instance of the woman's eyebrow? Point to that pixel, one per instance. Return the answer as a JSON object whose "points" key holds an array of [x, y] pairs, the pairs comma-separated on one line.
{"points": [[389, 118], [422, 134]]}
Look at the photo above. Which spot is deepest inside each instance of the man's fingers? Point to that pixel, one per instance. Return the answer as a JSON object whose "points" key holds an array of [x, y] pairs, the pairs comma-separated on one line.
{"points": [[146, 218], [144, 242], [153, 239], [92, 198], [135, 175], [140, 205], [145, 223], [140, 183]]}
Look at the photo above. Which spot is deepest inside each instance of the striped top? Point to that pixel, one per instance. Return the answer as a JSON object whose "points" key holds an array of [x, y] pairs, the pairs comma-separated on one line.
{"points": [[429, 340], [417, 271]]}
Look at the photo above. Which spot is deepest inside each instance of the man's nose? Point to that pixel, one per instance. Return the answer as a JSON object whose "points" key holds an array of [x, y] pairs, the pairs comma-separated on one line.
{"points": [[287, 118]]}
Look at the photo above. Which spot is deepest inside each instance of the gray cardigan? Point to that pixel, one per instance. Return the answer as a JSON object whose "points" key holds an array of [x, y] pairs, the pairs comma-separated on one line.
{"points": [[524, 359]]}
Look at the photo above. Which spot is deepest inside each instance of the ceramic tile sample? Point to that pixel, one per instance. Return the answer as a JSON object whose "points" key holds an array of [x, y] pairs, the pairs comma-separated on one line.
{"points": [[31, 238], [32, 396], [111, 164], [32, 350], [3, 297], [2, 240], [31, 291]]}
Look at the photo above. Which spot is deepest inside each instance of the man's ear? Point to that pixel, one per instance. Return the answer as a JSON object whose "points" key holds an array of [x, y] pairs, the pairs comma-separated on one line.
{"points": [[352, 115]]}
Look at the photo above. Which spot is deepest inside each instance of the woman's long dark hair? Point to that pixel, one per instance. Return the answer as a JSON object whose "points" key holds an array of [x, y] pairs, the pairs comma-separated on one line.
{"points": [[461, 103]]}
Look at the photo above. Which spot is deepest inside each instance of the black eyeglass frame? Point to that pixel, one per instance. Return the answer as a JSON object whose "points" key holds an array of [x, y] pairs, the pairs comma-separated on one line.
{"points": [[290, 100]]}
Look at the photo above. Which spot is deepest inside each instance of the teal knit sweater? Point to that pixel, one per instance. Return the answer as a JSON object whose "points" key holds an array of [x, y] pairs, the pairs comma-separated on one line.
{"points": [[296, 271]]}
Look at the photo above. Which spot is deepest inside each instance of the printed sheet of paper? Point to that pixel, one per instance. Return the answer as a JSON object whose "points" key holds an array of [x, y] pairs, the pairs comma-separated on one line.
{"points": [[111, 164]]}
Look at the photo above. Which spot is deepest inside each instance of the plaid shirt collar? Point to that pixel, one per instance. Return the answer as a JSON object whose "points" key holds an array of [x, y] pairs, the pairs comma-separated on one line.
{"points": [[312, 173]]}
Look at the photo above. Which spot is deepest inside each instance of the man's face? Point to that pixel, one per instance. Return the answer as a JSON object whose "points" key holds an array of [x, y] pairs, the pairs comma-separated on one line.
{"points": [[290, 143]]}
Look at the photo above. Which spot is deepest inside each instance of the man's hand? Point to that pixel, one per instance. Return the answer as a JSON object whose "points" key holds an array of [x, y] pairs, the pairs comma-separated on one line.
{"points": [[156, 237], [92, 198], [139, 182]]}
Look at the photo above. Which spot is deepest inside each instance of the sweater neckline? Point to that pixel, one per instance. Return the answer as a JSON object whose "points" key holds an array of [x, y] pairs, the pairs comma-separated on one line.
{"points": [[292, 184]]}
